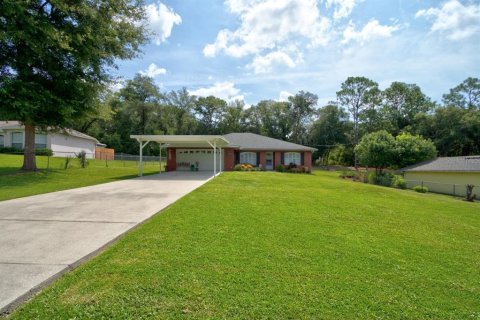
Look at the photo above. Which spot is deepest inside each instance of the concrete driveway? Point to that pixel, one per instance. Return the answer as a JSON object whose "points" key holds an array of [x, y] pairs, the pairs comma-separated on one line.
{"points": [[43, 236]]}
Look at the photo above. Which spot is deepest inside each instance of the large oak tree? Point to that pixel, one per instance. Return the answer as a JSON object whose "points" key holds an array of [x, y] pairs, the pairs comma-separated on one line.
{"points": [[55, 57]]}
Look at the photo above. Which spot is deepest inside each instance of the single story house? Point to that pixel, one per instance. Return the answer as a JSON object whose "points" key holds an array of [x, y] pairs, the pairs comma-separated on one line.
{"points": [[217, 152], [63, 143], [448, 175]]}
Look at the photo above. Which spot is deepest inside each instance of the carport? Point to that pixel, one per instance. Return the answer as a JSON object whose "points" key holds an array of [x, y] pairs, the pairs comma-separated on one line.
{"points": [[183, 141]]}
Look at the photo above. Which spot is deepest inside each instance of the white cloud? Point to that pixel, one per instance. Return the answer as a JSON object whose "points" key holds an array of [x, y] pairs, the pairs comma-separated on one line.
{"points": [[372, 30], [343, 8], [269, 24], [117, 84], [161, 20], [153, 71], [264, 64], [456, 20], [224, 90], [283, 96]]}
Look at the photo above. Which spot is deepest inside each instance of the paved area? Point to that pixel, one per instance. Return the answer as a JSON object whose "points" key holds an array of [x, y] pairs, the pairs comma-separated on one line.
{"points": [[45, 235]]}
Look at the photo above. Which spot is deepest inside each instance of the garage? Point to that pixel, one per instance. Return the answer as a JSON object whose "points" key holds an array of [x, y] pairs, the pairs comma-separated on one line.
{"points": [[197, 159]]}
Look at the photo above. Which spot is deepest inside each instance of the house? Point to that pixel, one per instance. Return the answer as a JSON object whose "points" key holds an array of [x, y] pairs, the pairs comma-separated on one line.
{"points": [[217, 153], [63, 143], [448, 175]]}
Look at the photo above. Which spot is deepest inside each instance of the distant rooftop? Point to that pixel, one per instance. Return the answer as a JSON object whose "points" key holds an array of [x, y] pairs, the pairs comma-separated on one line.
{"points": [[252, 141], [462, 164]]}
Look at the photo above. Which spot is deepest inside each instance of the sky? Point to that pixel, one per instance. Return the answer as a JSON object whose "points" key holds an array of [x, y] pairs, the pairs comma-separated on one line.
{"points": [[254, 50]]}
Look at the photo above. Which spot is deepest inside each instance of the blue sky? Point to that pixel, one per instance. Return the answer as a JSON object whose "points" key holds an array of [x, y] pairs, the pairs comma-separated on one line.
{"points": [[267, 49]]}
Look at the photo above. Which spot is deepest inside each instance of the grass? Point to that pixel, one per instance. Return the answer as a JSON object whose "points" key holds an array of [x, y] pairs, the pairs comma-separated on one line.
{"points": [[251, 245], [15, 183]]}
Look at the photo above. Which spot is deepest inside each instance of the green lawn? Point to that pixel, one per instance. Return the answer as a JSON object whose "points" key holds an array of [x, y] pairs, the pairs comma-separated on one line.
{"points": [[15, 183], [256, 245]]}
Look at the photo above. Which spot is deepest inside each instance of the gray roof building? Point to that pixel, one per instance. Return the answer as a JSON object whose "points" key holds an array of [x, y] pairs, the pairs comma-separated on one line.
{"points": [[252, 141], [453, 164]]}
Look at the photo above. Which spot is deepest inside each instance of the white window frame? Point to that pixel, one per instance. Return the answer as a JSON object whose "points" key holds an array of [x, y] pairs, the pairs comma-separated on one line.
{"points": [[21, 143], [292, 157], [248, 157]]}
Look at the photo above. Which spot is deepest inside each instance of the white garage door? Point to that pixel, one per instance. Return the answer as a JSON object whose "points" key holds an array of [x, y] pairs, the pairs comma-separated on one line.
{"points": [[204, 157]]}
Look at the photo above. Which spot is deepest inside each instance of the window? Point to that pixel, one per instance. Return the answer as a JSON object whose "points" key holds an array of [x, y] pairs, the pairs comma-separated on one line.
{"points": [[248, 157], [40, 140], [2, 141], [293, 157], [17, 140]]}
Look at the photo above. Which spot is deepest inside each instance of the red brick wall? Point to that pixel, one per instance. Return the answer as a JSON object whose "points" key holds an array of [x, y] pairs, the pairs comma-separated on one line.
{"points": [[171, 159], [307, 159], [229, 159], [278, 158], [262, 158]]}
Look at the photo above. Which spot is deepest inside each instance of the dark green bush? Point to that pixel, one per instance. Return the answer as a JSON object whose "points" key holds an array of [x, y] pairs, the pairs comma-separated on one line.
{"points": [[82, 158], [38, 152], [44, 152], [347, 174], [281, 168], [420, 189], [384, 179]]}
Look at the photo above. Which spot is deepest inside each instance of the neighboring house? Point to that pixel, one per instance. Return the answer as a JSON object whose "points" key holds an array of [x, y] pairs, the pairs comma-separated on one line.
{"points": [[63, 143], [448, 175], [237, 148]]}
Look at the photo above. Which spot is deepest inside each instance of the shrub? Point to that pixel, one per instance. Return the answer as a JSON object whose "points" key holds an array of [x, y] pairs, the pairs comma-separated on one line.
{"points": [[238, 167], [399, 182], [82, 158], [67, 163], [44, 152], [38, 152], [281, 168], [420, 189], [347, 174], [291, 165], [383, 179]]}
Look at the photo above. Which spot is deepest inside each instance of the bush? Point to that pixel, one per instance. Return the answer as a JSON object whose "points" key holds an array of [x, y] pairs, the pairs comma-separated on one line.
{"points": [[399, 182], [281, 168], [347, 174], [384, 179], [420, 189], [67, 163], [38, 152], [238, 167], [82, 158]]}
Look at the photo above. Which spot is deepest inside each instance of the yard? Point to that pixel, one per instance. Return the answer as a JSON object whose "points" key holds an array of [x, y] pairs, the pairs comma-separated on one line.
{"points": [[15, 184], [267, 245]]}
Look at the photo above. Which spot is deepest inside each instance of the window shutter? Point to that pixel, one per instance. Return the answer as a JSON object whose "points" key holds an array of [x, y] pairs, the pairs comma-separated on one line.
{"points": [[302, 161], [237, 157], [258, 158], [282, 157]]}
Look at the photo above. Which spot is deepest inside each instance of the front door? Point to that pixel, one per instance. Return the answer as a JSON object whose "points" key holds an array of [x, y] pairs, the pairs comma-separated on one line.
{"points": [[269, 160]]}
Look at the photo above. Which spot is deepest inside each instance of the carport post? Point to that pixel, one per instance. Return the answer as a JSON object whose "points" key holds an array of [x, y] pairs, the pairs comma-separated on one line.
{"points": [[220, 148], [160, 155], [140, 162], [214, 158]]}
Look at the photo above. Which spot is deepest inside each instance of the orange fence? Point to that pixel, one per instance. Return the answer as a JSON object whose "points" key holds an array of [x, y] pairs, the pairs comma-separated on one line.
{"points": [[104, 153]]}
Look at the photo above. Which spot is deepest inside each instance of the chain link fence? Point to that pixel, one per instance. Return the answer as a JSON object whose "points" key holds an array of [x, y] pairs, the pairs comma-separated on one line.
{"points": [[457, 190], [62, 159]]}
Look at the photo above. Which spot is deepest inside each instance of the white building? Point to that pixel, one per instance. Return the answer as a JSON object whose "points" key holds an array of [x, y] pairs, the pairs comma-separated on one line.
{"points": [[63, 143]]}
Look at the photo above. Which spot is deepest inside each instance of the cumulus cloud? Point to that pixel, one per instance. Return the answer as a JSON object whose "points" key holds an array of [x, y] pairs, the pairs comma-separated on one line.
{"points": [[372, 30], [454, 19], [153, 71], [264, 64], [283, 96], [343, 8], [161, 20], [224, 90], [269, 24]]}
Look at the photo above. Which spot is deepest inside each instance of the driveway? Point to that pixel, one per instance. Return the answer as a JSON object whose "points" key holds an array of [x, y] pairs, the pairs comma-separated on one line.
{"points": [[43, 236]]}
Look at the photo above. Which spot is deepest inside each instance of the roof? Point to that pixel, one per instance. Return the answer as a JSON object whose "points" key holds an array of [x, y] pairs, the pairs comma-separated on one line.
{"points": [[16, 125], [179, 141], [455, 164], [252, 141]]}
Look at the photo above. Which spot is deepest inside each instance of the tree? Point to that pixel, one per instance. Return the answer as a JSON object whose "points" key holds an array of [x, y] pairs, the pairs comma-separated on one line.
{"points": [[401, 103], [356, 94], [270, 118], [466, 95], [412, 149], [232, 118], [55, 56], [301, 111], [181, 104], [329, 130], [376, 150], [210, 112]]}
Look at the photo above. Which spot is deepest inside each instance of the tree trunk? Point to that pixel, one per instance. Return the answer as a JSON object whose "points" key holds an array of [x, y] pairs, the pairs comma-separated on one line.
{"points": [[29, 163]]}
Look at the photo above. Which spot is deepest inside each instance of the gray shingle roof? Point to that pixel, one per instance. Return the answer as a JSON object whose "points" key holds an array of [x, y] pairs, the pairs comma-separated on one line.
{"points": [[252, 141], [464, 164]]}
